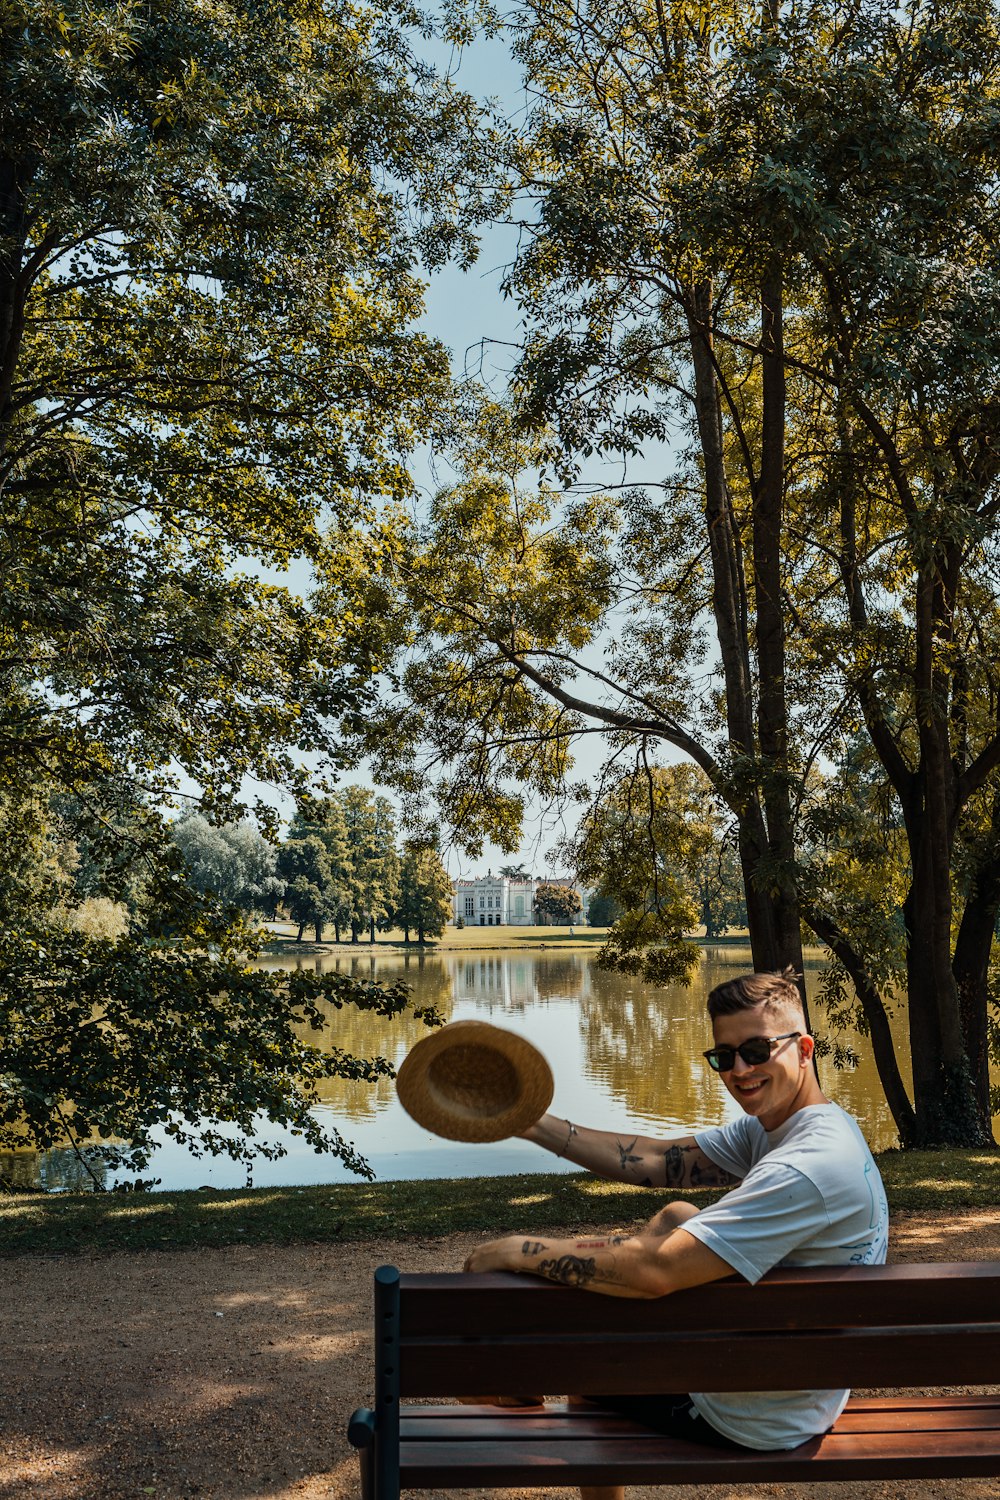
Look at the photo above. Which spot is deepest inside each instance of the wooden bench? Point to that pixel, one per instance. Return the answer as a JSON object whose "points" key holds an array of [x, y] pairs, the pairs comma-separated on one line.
{"points": [[911, 1327]]}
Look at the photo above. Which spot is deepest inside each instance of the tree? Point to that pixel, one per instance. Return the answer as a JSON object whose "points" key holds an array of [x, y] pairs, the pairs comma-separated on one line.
{"points": [[322, 866], [657, 843], [310, 891], [719, 247], [560, 903], [373, 861], [233, 861], [209, 368], [118, 1040], [426, 893], [603, 911], [207, 285]]}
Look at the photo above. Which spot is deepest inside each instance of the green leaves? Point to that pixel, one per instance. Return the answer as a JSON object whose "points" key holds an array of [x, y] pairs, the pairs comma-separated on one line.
{"points": [[119, 1039]]}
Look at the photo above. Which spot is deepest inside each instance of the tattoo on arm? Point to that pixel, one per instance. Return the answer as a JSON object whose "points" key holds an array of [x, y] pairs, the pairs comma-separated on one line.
{"points": [[533, 1247], [624, 1153], [683, 1171], [711, 1176], [569, 1270], [675, 1165]]}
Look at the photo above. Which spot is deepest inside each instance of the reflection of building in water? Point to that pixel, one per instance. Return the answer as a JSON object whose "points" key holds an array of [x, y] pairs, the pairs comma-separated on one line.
{"points": [[513, 983], [494, 979]]}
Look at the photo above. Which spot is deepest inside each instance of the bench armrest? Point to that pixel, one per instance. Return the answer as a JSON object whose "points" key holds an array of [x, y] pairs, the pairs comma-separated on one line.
{"points": [[361, 1428]]}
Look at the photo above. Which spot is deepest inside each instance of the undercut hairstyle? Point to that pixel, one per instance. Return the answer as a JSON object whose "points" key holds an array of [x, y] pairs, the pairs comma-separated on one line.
{"points": [[775, 993]]}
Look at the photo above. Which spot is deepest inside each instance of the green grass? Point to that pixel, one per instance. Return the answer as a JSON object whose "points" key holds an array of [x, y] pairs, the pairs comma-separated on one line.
{"points": [[479, 938], [36, 1224]]}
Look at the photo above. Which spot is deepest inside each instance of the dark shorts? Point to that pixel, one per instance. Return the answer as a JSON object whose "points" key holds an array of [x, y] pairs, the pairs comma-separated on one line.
{"points": [[674, 1416]]}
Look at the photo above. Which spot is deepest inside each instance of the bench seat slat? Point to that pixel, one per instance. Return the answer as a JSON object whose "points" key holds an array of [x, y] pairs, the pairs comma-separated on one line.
{"points": [[898, 1414], [905, 1455]]}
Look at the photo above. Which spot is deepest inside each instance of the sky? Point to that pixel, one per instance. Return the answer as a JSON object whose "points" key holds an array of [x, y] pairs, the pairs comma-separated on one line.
{"points": [[467, 312]]}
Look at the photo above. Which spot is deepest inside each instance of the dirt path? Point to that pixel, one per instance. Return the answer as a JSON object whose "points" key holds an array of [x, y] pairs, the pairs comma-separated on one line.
{"points": [[230, 1374]]}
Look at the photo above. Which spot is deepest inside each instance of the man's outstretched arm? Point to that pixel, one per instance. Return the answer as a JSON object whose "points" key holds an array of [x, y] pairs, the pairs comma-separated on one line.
{"points": [[634, 1265], [643, 1160]]}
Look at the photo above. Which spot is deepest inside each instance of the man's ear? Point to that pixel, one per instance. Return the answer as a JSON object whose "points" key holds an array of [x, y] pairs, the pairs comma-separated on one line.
{"points": [[807, 1047]]}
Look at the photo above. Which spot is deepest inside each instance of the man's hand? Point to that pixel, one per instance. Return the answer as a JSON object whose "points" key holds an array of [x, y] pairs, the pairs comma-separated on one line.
{"points": [[642, 1265], [495, 1255]]}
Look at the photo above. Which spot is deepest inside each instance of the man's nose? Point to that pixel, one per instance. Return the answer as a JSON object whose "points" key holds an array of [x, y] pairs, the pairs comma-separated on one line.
{"points": [[739, 1066]]}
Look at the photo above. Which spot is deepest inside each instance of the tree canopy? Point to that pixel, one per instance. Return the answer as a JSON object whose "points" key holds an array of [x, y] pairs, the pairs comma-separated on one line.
{"points": [[213, 227], [767, 234]]}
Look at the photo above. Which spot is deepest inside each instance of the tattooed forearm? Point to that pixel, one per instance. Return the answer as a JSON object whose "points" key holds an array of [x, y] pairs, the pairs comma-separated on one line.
{"points": [[569, 1270]]}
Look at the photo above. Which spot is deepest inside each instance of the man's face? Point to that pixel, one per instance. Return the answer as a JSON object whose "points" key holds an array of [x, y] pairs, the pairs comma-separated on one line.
{"points": [[774, 1090]]}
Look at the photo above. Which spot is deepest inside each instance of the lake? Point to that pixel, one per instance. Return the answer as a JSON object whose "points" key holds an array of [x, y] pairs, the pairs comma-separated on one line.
{"points": [[626, 1056]]}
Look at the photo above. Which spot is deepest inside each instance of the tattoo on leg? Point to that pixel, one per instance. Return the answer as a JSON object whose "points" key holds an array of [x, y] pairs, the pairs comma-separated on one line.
{"points": [[623, 1153], [533, 1247], [569, 1270]]}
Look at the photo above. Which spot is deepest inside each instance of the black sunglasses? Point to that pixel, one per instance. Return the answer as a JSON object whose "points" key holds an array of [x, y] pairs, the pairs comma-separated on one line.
{"points": [[755, 1050]]}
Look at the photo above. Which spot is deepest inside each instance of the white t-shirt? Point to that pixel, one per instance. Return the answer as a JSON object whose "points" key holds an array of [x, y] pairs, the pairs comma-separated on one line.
{"points": [[810, 1195]]}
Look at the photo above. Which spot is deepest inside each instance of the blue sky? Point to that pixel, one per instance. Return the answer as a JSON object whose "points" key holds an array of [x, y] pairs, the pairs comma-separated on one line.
{"points": [[481, 329]]}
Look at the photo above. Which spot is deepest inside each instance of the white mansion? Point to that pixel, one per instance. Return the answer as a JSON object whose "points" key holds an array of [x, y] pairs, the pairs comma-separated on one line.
{"points": [[498, 901]]}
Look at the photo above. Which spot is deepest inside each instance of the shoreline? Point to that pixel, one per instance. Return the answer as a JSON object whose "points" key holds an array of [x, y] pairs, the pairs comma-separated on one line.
{"points": [[68, 1224]]}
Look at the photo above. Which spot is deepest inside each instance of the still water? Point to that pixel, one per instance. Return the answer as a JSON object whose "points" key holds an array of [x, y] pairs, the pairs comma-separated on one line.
{"points": [[625, 1056]]}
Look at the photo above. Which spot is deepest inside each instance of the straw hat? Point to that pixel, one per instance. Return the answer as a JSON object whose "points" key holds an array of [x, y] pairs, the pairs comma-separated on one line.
{"points": [[473, 1082]]}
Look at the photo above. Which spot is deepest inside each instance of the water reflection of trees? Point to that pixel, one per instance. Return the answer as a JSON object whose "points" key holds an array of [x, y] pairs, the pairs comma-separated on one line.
{"points": [[58, 1170], [366, 1035], [645, 1047]]}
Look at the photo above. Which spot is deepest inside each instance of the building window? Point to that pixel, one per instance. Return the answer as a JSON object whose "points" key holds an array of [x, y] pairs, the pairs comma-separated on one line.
{"points": [[470, 906], [482, 903]]}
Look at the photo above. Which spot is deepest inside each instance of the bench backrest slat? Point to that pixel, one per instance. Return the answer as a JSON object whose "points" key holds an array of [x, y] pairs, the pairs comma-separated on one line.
{"points": [[711, 1362], [826, 1326]]}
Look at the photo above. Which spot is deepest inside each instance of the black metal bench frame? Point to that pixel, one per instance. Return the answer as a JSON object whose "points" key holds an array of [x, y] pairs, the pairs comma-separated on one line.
{"points": [[879, 1327]]}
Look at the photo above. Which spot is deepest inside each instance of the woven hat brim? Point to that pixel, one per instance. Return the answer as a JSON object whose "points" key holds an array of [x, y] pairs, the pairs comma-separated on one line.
{"points": [[474, 1082]]}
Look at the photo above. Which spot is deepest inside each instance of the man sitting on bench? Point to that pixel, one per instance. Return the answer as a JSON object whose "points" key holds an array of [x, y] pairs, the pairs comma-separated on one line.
{"points": [[805, 1192]]}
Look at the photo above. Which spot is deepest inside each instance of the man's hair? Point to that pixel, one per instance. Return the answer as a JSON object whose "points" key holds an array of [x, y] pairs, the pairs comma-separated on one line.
{"points": [[771, 992]]}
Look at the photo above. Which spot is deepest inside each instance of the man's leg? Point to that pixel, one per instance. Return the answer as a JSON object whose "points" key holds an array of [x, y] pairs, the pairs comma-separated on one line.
{"points": [[669, 1218], [663, 1223]]}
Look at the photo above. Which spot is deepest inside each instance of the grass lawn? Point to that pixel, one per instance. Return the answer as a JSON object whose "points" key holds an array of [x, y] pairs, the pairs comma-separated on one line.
{"points": [[62, 1224], [454, 937]]}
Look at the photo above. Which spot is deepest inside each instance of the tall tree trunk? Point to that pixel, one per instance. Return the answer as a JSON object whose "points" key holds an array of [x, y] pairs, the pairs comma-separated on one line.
{"points": [[772, 709], [319, 932], [883, 1046], [943, 1094], [770, 919], [971, 962], [15, 177], [302, 928], [971, 966]]}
